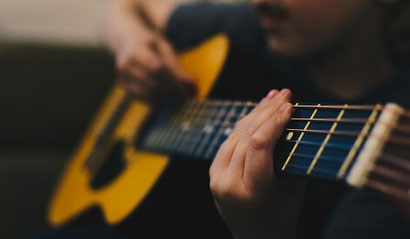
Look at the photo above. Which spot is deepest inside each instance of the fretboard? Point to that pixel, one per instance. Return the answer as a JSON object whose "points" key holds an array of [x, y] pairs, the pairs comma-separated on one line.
{"points": [[322, 141]]}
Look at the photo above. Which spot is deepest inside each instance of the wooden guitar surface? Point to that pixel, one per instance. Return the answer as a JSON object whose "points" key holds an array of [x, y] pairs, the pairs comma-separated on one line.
{"points": [[118, 198]]}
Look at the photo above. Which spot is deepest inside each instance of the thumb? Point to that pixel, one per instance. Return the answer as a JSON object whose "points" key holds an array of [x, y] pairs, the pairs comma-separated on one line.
{"points": [[170, 60]]}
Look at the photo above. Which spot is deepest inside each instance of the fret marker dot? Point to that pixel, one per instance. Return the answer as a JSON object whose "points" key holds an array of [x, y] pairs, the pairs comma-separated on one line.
{"points": [[185, 126], [208, 129], [228, 131], [290, 135]]}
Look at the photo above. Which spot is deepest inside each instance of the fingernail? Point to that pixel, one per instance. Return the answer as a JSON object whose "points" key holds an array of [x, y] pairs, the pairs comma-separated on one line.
{"points": [[284, 92], [271, 94], [286, 107]]}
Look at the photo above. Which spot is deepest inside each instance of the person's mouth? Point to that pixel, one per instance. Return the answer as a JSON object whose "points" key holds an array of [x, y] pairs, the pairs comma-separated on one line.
{"points": [[270, 17]]}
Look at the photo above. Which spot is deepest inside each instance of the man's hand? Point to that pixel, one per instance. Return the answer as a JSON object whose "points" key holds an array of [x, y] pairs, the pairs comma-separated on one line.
{"points": [[252, 201], [149, 68], [147, 64]]}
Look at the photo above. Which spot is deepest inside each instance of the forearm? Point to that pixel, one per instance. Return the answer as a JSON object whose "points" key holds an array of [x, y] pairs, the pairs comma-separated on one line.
{"points": [[126, 19]]}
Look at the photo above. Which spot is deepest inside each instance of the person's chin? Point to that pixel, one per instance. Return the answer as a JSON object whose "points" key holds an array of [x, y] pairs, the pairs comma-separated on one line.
{"points": [[283, 47]]}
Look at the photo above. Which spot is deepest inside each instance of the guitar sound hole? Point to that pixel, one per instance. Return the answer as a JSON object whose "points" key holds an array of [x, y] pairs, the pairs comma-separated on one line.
{"points": [[112, 166]]}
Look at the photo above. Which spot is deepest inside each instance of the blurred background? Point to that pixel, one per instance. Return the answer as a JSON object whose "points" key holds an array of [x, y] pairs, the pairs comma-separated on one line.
{"points": [[54, 72]]}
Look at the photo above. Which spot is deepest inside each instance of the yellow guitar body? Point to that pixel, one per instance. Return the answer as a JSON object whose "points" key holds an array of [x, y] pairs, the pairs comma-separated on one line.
{"points": [[122, 195]]}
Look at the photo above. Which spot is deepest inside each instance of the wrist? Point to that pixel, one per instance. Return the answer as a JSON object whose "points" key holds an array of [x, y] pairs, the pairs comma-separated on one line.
{"points": [[275, 217]]}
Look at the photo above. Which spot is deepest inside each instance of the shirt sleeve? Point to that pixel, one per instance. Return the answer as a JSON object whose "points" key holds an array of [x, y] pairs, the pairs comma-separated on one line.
{"points": [[364, 214], [192, 23]]}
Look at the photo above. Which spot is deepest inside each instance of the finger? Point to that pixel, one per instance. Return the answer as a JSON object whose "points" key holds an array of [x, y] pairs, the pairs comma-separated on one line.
{"points": [[272, 105], [137, 88], [242, 125], [225, 152], [258, 167], [138, 92], [240, 129], [170, 60], [222, 158], [260, 117], [148, 60], [138, 77]]}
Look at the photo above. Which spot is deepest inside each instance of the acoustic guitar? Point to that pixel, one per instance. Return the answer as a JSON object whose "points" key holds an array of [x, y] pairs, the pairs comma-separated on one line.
{"points": [[129, 143]]}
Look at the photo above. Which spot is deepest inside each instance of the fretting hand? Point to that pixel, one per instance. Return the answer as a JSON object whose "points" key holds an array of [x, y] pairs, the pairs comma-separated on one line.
{"points": [[250, 198]]}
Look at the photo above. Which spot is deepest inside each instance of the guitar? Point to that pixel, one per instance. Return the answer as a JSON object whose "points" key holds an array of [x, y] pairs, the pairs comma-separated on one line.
{"points": [[127, 147]]}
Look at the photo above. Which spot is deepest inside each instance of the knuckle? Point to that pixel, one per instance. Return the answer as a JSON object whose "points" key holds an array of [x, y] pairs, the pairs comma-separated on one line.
{"points": [[212, 172], [222, 189], [214, 186], [156, 65], [258, 143], [251, 130], [233, 137]]}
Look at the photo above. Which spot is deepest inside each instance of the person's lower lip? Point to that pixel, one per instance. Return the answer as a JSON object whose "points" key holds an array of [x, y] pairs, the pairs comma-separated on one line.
{"points": [[271, 22]]}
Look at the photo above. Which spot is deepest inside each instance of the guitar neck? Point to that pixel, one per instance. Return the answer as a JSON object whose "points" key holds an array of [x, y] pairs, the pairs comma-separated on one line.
{"points": [[320, 141]]}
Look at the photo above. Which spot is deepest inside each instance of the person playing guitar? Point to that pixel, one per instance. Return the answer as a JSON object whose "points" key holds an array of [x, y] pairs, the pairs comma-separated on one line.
{"points": [[323, 51]]}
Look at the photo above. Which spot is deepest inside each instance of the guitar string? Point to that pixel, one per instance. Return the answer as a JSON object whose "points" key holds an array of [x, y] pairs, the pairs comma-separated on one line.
{"points": [[396, 161], [215, 123], [389, 189], [400, 177], [323, 131], [338, 161], [405, 114], [349, 121], [399, 127]]}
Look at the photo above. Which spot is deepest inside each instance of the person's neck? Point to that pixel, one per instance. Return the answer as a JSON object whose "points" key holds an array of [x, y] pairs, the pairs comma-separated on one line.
{"points": [[354, 69]]}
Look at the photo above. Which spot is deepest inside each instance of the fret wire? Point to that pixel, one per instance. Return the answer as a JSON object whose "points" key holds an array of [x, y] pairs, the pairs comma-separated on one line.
{"points": [[168, 132], [176, 132], [198, 128], [320, 151], [358, 142], [248, 103], [247, 107], [164, 138], [222, 114], [183, 127], [336, 107], [331, 120], [165, 134], [186, 127], [323, 172], [208, 134], [216, 123], [342, 133], [201, 127], [311, 157], [226, 120], [313, 120], [299, 139], [189, 134], [333, 146]]}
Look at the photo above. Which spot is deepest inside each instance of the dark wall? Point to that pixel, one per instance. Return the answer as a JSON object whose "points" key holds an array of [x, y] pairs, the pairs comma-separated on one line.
{"points": [[48, 96]]}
